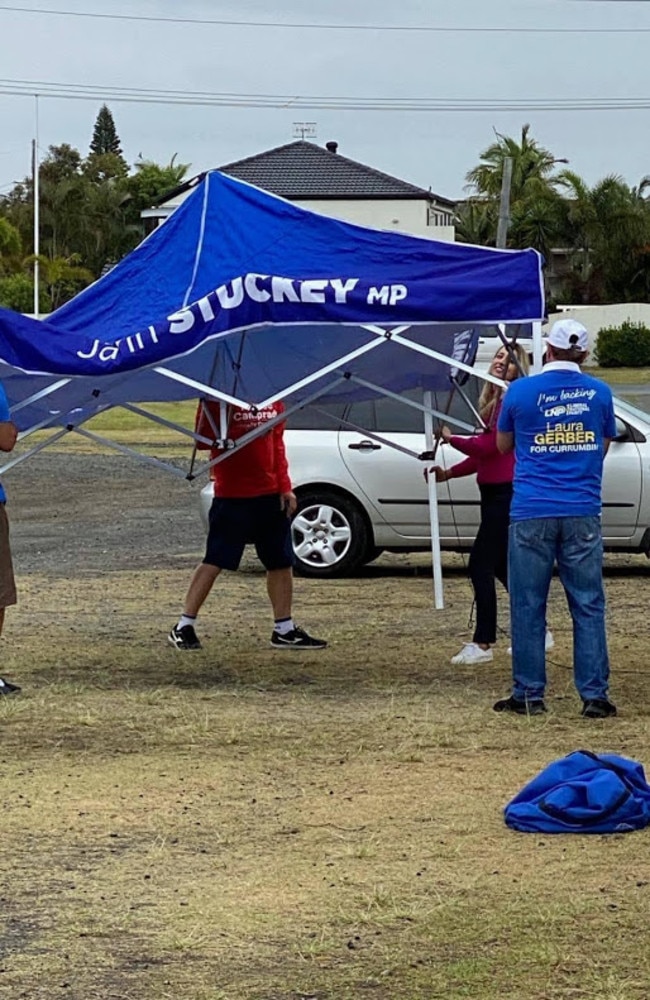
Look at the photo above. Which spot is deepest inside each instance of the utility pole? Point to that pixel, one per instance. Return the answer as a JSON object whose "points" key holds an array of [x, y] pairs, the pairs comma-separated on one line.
{"points": [[504, 204], [35, 189]]}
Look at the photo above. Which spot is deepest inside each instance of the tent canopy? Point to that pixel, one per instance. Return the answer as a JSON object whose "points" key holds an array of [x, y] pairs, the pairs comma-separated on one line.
{"points": [[246, 298], [248, 295]]}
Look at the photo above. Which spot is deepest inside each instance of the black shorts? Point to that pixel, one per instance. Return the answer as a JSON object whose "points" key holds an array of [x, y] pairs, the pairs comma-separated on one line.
{"points": [[259, 521]]}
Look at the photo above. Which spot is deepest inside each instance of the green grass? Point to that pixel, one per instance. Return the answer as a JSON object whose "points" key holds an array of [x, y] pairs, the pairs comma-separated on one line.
{"points": [[118, 419]]}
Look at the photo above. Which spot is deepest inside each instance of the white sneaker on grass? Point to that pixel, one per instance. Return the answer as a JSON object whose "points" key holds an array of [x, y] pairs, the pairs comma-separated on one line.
{"points": [[549, 642], [472, 653]]}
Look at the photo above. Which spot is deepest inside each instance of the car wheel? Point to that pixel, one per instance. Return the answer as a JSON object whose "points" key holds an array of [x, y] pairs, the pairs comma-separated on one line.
{"points": [[329, 535]]}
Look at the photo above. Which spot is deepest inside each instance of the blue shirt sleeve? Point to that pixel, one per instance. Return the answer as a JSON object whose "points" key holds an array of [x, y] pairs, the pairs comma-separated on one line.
{"points": [[610, 419], [505, 423], [4, 407]]}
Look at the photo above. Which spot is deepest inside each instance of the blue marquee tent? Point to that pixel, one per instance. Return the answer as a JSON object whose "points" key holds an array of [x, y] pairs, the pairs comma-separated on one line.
{"points": [[246, 298]]}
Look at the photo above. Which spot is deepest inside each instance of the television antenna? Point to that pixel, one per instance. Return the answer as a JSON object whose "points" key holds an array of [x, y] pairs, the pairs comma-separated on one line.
{"points": [[304, 130]]}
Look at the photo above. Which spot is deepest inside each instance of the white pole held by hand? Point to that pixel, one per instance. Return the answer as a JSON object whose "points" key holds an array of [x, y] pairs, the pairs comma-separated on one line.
{"points": [[436, 561]]}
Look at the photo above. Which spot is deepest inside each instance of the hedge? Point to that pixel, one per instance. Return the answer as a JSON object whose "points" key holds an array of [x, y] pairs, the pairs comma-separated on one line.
{"points": [[625, 346]]}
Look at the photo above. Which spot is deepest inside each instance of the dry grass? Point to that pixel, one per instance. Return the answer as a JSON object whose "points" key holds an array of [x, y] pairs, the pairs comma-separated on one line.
{"points": [[241, 824], [620, 376]]}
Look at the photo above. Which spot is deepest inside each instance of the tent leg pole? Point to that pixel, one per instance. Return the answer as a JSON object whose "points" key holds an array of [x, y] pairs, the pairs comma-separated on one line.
{"points": [[436, 561], [537, 346]]}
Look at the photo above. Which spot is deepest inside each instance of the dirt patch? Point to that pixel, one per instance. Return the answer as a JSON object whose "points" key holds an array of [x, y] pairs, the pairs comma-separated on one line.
{"points": [[80, 514]]}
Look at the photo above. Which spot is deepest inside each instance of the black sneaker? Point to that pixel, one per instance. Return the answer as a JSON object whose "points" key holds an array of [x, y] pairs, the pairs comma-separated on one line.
{"points": [[511, 704], [184, 638], [598, 708], [6, 687], [297, 638]]}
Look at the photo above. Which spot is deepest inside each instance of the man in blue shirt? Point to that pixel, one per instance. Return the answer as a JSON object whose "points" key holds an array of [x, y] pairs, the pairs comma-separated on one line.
{"points": [[560, 424], [8, 435]]}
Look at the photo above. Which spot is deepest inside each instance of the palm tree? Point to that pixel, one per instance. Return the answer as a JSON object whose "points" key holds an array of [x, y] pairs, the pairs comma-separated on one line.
{"points": [[533, 196], [62, 277], [476, 221], [532, 167], [607, 232]]}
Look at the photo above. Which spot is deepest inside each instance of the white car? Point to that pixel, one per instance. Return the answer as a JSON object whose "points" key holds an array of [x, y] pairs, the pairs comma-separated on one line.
{"points": [[358, 497]]}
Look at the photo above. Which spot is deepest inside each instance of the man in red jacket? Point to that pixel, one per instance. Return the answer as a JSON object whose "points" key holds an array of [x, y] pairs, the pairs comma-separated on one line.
{"points": [[253, 503]]}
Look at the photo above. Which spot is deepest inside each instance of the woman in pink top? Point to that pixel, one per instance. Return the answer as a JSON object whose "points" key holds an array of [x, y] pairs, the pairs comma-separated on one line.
{"points": [[494, 472]]}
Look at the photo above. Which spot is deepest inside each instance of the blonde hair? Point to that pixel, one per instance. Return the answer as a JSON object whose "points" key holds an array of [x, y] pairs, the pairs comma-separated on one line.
{"points": [[491, 394]]}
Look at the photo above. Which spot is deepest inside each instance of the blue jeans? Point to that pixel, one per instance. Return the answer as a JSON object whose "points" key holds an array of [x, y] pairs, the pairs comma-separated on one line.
{"points": [[575, 544]]}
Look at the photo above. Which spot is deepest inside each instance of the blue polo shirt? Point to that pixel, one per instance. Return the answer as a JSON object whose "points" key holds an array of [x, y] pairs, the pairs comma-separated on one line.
{"points": [[560, 419], [4, 416]]}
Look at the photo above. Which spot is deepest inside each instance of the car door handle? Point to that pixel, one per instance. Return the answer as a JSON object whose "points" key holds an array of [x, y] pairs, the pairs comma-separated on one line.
{"points": [[364, 445]]}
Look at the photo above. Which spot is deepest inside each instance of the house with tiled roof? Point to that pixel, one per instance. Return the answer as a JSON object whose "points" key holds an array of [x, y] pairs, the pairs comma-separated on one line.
{"points": [[321, 179]]}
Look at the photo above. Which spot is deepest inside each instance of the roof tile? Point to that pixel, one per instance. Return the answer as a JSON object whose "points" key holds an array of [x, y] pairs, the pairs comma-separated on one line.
{"points": [[303, 169]]}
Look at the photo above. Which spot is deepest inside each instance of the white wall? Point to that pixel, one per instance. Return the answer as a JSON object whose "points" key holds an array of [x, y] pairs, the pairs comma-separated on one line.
{"points": [[401, 216], [594, 318]]}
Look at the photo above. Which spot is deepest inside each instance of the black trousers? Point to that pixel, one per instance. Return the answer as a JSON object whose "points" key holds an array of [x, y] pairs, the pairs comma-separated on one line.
{"points": [[488, 560]]}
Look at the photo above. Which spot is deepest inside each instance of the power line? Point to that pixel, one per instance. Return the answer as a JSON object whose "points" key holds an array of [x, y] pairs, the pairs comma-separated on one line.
{"points": [[321, 26], [140, 95]]}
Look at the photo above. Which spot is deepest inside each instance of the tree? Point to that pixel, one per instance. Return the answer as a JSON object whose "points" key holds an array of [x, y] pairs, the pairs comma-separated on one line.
{"points": [[149, 184], [607, 236], [534, 200], [61, 278], [105, 160], [532, 167], [10, 247], [105, 138], [151, 181], [476, 221], [89, 215], [106, 235], [17, 292], [61, 198], [61, 163]]}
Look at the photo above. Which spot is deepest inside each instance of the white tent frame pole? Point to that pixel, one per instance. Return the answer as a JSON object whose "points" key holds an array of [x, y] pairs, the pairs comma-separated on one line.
{"points": [[480, 422], [262, 429], [33, 451], [201, 388], [436, 560], [537, 346], [276, 397], [412, 403], [223, 420], [41, 394], [437, 356], [46, 422], [347, 423], [377, 437], [133, 408], [98, 439]]}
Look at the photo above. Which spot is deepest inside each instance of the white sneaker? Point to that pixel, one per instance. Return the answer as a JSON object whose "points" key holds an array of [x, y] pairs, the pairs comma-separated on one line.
{"points": [[472, 653], [549, 642]]}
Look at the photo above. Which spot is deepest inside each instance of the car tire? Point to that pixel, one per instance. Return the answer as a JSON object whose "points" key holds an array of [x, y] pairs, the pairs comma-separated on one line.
{"points": [[372, 554], [329, 534]]}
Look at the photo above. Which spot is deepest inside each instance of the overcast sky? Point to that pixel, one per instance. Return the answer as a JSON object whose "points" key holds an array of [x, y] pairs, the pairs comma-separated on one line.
{"points": [[598, 50]]}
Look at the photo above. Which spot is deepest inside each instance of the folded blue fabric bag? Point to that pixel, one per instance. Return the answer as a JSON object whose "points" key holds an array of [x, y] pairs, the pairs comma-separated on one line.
{"points": [[583, 793]]}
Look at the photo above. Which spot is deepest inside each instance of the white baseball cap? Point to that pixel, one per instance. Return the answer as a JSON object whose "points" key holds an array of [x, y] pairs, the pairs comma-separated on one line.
{"points": [[568, 333]]}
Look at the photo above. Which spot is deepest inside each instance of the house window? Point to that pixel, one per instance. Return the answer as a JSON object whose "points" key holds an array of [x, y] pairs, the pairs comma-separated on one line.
{"points": [[438, 217]]}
